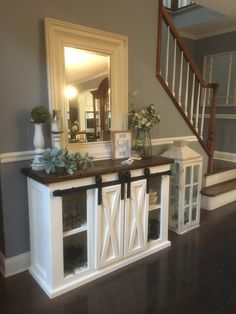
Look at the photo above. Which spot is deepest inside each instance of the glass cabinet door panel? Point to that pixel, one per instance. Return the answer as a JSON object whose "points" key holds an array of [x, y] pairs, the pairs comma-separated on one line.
{"points": [[74, 209], [195, 194], [187, 195], [75, 253], [194, 213], [196, 174], [154, 192], [174, 205], [188, 176], [186, 215], [154, 225]]}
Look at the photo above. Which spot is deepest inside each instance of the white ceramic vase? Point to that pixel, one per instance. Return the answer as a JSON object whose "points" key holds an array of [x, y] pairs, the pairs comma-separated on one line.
{"points": [[39, 146]]}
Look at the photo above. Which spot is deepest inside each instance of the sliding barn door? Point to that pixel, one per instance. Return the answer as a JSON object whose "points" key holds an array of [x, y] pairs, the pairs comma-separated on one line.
{"points": [[136, 216], [109, 227]]}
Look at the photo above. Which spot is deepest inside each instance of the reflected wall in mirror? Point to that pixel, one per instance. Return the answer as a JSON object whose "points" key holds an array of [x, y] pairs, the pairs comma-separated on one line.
{"points": [[88, 95], [88, 82]]}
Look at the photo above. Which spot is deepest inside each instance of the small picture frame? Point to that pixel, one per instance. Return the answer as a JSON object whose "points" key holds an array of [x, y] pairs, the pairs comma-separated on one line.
{"points": [[121, 144]]}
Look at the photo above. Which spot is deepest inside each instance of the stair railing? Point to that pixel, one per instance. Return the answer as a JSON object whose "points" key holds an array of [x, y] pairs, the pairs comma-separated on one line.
{"points": [[183, 82]]}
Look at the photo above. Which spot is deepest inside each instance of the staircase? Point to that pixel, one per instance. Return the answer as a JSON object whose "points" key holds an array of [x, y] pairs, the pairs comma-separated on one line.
{"points": [[220, 186], [183, 82]]}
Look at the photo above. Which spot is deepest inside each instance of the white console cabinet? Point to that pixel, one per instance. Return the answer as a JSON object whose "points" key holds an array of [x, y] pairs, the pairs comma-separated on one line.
{"points": [[87, 225]]}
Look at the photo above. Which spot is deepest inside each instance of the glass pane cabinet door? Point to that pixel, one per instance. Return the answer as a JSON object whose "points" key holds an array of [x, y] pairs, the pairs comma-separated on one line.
{"points": [[75, 237], [191, 195], [154, 213]]}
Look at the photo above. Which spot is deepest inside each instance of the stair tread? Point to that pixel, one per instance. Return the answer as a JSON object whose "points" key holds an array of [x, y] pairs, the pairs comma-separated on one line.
{"points": [[221, 166], [220, 188]]}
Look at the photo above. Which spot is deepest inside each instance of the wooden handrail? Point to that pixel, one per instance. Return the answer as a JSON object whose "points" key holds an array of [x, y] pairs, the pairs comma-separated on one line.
{"points": [[209, 145]]}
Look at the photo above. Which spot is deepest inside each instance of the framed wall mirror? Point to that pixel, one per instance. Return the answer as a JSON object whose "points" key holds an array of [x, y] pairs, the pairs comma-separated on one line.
{"points": [[88, 83]]}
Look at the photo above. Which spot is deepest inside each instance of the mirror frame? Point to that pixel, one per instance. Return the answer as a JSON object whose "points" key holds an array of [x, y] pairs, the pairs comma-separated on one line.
{"points": [[60, 34]]}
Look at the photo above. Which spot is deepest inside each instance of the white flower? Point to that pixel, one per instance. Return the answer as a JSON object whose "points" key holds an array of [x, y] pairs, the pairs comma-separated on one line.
{"points": [[135, 93]]}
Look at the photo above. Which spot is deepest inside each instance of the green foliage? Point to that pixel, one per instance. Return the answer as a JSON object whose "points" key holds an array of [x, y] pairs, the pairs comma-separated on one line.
{"points": [[39, 114], [137, 144], [55, 160]]}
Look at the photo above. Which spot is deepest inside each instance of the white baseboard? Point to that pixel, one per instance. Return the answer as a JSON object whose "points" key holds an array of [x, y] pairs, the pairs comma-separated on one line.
{"points": [[14, 265], [225, 156]]}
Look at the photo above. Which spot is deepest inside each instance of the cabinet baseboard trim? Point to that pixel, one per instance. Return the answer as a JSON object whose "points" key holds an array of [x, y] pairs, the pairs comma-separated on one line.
{"points": [[14, 265]]}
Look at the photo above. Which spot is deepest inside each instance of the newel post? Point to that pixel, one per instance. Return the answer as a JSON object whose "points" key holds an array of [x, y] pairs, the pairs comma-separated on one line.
{"points": [[211, 129]]}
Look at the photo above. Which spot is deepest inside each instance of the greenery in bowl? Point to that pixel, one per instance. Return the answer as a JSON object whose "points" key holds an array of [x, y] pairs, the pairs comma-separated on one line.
{"points": [[59, 160], [39, 114]]}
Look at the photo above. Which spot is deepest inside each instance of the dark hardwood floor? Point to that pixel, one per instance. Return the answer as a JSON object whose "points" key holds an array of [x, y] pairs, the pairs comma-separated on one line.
{"points": [[196, 275]]}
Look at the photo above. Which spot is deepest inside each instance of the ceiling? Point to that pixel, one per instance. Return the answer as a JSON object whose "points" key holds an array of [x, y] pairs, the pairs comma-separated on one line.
{"points": [[82, 66], [227, 7], [226, 22]]}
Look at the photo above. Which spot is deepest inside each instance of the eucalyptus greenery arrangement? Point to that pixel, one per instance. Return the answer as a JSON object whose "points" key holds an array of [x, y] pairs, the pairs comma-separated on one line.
{"points": [[39, 114], [55, 160]]}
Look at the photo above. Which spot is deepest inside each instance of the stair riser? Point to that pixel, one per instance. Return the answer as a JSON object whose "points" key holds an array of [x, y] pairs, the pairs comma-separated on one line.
{"points": [[220, 177], [211, 203]]}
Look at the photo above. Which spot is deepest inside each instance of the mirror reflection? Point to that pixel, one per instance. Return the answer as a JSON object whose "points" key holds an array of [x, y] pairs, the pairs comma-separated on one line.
{"points": [[87, 94]]}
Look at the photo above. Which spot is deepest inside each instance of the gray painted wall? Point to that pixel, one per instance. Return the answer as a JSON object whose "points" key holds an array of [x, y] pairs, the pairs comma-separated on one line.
{"points": [[214, 44], [15, 208], [23, 82], [2, 240]]}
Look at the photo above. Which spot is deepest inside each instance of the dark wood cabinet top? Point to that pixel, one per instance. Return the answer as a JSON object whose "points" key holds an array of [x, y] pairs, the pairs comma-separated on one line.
{"points": [[101, 167]]}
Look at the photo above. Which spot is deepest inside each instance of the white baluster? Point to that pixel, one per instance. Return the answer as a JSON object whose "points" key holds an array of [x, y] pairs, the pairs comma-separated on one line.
{"points": [[210, 80], [203, 112], [167, 54], [198, 105], [181, 77], [229, 78], [192, 99], [174, 68], [186, 92]]}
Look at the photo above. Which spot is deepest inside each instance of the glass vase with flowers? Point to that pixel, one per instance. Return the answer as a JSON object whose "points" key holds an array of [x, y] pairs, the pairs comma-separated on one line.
{"points": [[141, 122]]}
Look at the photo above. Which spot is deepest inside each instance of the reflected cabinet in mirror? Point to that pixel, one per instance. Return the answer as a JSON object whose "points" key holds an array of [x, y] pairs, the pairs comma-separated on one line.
{"points": [[88, 82]]}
